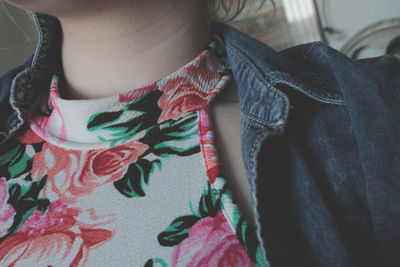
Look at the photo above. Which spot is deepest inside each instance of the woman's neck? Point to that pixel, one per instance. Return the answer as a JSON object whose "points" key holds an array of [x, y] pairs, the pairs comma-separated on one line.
{"points": [[113, 49]]}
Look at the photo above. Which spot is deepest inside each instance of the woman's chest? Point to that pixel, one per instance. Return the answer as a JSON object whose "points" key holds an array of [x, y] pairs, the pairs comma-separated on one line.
{"points": [[225, 115]]}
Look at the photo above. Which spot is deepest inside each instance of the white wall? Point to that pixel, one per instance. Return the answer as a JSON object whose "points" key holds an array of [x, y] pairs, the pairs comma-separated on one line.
{"points": [[351, 16]]}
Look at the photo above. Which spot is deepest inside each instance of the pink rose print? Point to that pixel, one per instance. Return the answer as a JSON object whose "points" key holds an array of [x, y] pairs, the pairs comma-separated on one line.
{"points": [[211, 242], [55, 119], [136, 93], [54, 238], [73, 173], [7, 212], [208, 148], [195, 86]]}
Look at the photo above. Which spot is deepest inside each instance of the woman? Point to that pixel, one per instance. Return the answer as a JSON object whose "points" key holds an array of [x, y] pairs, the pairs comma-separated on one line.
{"points": [[108, 155]]}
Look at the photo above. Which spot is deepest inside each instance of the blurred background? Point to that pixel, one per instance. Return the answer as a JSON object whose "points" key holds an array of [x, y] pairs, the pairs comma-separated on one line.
{"points": [[359, 28]]}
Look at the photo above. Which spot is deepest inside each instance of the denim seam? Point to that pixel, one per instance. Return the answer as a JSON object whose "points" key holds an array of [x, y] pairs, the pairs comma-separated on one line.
{"points": [[268, 86], [253, 149], [332, 98], [257, 119], [310, 50], [322, 96], [7, 134], [253, 185], [40, 39], [339, 98], [14, 103]]}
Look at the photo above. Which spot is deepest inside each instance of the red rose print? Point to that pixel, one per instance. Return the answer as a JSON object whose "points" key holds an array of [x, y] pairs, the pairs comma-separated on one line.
{"points": [[208, 148], [192, 88], [29, 137], [136, 93], [73, 173]]}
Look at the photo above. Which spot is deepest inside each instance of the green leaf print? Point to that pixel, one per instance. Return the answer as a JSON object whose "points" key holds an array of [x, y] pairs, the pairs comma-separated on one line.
{"points": [[17, 159], [156, 262], [99, 120], [213, 200], [260, 261], [210, 203], [175, 137], [177, 231], [24, 198], [137, 176], [245, 234], [219, 47], [111, 126]]}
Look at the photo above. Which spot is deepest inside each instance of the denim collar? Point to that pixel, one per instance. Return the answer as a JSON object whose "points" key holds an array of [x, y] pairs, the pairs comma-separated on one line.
{"points": [[260, 71]]}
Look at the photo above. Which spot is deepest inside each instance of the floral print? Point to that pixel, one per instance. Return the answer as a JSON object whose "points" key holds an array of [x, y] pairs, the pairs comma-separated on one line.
{"points": [[115, 120], [132, 180], [191, 88], [216, 234], [54, 238], [7, 212], [207, 145], [211, 243], [82, 171], [135, 94], [50, 120]]}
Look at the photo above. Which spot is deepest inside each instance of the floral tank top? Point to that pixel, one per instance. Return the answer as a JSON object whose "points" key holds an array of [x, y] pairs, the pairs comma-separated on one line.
{"points": [[126, 180]]}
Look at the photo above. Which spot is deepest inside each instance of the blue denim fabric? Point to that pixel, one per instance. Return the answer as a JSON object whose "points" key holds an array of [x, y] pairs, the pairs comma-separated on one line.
{"points": [[320, 136]]}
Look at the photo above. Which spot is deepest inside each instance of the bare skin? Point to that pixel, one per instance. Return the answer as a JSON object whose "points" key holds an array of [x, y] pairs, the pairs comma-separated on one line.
{"points": [[226, 124], [110, 48], [127, 45]]}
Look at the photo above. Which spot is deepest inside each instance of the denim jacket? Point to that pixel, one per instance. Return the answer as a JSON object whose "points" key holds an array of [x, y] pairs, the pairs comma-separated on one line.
{"points": [[320, 136]]}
